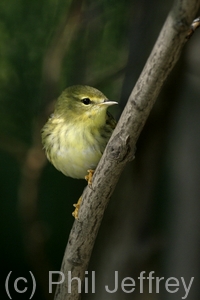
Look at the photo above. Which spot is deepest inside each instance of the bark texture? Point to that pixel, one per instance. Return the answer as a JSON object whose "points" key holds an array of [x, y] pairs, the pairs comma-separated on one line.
{"points": [[121, 146]]}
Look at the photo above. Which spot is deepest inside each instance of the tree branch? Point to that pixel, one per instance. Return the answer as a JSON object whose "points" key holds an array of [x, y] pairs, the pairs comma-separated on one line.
{"points": [[120, 148]]}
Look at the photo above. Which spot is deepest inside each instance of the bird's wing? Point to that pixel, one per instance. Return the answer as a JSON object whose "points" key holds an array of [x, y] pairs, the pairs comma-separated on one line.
{"points": [[111, 121]]}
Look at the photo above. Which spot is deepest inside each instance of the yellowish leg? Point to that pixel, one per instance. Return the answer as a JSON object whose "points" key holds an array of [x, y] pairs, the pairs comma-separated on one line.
{"points": [[77, 206], [89, 176]]}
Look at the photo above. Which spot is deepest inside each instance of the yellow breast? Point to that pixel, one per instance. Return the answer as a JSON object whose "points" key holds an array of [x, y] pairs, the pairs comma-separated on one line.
{"points": [[72, 149]]}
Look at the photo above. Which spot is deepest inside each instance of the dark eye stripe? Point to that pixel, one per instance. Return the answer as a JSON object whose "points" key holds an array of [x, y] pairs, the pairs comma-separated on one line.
{"points": [[86, 101]]}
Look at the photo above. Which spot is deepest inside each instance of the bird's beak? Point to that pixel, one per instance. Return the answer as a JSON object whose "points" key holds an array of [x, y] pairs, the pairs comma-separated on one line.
{"points": [[108, 102]]}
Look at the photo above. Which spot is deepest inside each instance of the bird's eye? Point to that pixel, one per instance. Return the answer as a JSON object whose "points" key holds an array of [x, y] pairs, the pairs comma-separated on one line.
{"points": [[86, 101]]}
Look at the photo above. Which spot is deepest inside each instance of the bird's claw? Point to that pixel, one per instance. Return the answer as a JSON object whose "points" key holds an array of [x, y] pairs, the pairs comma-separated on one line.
{"points": [[77, 206], [89, 177]]}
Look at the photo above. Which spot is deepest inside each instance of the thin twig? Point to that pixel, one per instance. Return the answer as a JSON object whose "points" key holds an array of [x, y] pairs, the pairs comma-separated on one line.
{"points": [[120, 148], [194, 26]]}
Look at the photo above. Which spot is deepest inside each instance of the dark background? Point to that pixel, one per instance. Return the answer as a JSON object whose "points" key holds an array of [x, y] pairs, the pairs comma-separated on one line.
{"points": [[152, 222]]}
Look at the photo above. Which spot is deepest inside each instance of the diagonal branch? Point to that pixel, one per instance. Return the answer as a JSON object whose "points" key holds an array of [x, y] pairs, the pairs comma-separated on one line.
{"points": [[120, 148]]}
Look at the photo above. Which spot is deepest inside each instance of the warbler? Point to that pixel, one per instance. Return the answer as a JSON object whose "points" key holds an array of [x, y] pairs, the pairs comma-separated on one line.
{"points": [[76, 134]]}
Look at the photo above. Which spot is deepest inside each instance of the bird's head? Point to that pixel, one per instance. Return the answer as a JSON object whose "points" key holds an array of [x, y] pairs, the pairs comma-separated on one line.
{"points": [[81, 102]]}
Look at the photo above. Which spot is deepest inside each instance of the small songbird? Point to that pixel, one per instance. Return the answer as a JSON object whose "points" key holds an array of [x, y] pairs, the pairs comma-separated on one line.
{"points": [[78, 131]]}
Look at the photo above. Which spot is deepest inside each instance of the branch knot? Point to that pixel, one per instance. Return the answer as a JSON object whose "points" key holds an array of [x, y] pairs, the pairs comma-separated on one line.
{"points": [[120, 149]]}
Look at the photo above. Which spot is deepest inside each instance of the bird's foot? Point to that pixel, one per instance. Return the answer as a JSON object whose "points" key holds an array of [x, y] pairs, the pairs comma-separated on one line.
{"points": [[89, 176], [77, 206]]}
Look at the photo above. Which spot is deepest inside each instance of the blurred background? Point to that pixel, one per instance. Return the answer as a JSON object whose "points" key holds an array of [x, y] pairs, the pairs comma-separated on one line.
{"points": [[152, 222]]}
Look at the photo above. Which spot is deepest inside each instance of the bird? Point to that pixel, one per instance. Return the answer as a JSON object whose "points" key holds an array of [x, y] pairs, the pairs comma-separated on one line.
{"points": [[76, 134]]}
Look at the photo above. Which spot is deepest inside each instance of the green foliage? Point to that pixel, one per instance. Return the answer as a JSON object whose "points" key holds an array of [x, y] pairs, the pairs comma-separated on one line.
{"points": [[97, 51], [26, 31]]}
